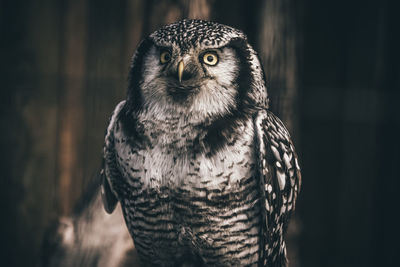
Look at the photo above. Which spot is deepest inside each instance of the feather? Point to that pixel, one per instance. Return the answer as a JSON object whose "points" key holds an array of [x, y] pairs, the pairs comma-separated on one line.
{"points": [[280, 187]]}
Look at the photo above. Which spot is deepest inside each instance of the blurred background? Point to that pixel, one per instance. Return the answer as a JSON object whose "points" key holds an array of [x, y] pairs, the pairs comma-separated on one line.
{"points": [[333, 71]]}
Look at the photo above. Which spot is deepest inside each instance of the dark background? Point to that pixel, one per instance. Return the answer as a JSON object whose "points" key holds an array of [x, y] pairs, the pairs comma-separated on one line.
{"points": [[64, 67]]}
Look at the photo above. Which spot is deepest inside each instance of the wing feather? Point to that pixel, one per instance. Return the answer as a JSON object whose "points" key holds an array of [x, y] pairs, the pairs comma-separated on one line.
{"points": [[110, 172], [280, 181]]}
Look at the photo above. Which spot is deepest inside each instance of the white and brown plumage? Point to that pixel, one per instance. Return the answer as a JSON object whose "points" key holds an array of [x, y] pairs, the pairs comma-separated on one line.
{"points": [[205, 174]]}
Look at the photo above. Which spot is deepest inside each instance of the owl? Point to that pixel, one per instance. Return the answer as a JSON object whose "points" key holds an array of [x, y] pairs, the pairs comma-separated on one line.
{"points": [[205, 174]]}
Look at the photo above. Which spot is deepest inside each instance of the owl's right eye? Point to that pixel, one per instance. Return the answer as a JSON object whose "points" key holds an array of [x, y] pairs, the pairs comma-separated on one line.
{"points": [[165, 57]]}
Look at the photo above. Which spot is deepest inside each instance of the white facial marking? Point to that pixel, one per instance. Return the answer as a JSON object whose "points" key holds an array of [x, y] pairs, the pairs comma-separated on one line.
{"points": [[215, 92]]}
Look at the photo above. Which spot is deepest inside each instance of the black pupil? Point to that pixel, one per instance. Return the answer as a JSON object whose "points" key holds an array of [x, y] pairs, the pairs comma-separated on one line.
{"points": [[166, 56], [210, 58]]}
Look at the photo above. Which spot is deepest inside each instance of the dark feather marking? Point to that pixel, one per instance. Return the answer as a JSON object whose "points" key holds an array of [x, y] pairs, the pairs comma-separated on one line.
{"points": [[130, 126], [221, 129], [134, 101]]}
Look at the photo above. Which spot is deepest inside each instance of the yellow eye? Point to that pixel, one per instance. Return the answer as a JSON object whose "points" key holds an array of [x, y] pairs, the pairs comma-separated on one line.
{"points": [[210, 58], [165, 57]]}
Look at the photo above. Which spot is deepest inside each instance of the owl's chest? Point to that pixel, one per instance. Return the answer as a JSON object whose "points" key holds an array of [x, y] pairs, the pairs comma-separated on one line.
{"points": [[173, 159], [179, 196]]}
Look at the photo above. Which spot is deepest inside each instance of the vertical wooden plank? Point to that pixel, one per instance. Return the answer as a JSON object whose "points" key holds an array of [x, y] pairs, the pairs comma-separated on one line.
{"points": [[30, 54], [73, 70], [15, 139], [278, 45]]}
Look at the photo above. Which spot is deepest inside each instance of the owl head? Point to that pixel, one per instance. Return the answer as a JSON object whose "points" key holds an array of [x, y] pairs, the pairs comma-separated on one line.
{"points": [[198, 68]]}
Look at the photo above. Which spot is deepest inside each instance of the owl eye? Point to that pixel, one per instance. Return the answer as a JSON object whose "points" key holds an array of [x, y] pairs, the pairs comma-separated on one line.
{"points": [[210, 58], [165, 57]]}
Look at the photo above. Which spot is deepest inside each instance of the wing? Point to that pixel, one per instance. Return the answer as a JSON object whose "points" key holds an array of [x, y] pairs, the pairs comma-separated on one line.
{"points": [[110, 171], [280, 181]]}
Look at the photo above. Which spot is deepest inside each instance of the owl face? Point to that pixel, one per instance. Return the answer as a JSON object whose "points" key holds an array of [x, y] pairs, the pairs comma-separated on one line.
{"points": [[199, 81], [198, 68]]}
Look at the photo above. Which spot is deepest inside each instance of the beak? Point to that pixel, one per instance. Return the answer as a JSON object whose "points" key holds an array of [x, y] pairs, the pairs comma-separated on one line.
{"points": [[180, 70]]}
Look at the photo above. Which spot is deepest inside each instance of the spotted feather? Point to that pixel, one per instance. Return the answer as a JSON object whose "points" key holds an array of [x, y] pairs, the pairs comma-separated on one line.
{"points": [[280, 181]]}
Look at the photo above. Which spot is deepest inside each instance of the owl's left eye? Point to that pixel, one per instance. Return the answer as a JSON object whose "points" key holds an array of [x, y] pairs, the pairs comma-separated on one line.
{"points": [[210, 58], [165, 57]]}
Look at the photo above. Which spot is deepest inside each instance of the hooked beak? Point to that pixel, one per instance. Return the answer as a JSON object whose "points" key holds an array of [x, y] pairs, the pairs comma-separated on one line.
{"points": [[180, 70]]}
